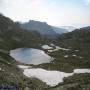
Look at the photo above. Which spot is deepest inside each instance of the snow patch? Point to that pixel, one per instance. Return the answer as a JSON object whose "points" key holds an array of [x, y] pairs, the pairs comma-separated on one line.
{"points": [[76, 50], [74, 55], [80, 57], [52, 45], [23, 66], [46, 47], [51, 78], [59, 48], [66, 56], [53, 48], [82, 71]]}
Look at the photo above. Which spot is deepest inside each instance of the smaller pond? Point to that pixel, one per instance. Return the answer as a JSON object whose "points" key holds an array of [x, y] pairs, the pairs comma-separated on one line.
{"points": [[30, 56]]}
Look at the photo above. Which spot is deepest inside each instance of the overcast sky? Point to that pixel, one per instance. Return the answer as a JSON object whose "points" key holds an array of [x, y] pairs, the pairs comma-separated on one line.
{"points": [[54, 12]]}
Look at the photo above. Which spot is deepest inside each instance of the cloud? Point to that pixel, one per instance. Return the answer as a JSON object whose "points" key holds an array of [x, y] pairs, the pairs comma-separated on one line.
{"points": [[87, 2], [52, 12], [24, 9]]}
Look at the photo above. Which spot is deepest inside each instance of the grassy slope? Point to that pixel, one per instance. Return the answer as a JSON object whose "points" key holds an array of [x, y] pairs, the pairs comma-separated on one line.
{"points": [[76, 40]]}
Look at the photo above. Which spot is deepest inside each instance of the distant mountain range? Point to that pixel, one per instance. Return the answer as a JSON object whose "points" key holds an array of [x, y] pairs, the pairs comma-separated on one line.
{"points": [[60, 30], [43, 28], [68, 28]]}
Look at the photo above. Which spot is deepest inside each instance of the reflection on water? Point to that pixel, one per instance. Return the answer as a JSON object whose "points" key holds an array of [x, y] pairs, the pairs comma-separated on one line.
{"points": [[30, 56]]}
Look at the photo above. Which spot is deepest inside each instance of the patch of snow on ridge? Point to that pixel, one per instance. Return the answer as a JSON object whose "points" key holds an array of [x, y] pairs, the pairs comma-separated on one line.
{"points": [[82, 71], [80, 57], [59, 48], [76, 50], [74, 55], [52, 45], [46, 47], [51, 78], [66, 56], [23, 66], [53, 48]]}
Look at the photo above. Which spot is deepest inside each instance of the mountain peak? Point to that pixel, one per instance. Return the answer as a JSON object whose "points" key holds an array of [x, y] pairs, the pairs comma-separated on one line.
{"points": [[42, 27]]}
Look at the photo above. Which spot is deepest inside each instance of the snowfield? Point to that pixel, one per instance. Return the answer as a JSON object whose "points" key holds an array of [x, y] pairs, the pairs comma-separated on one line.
{"points": [[46, 47], [66, 56], [51, 49], [23, 66], [52, 45], [81, 71], [58, 48], [51, 78], [74, 55]]}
